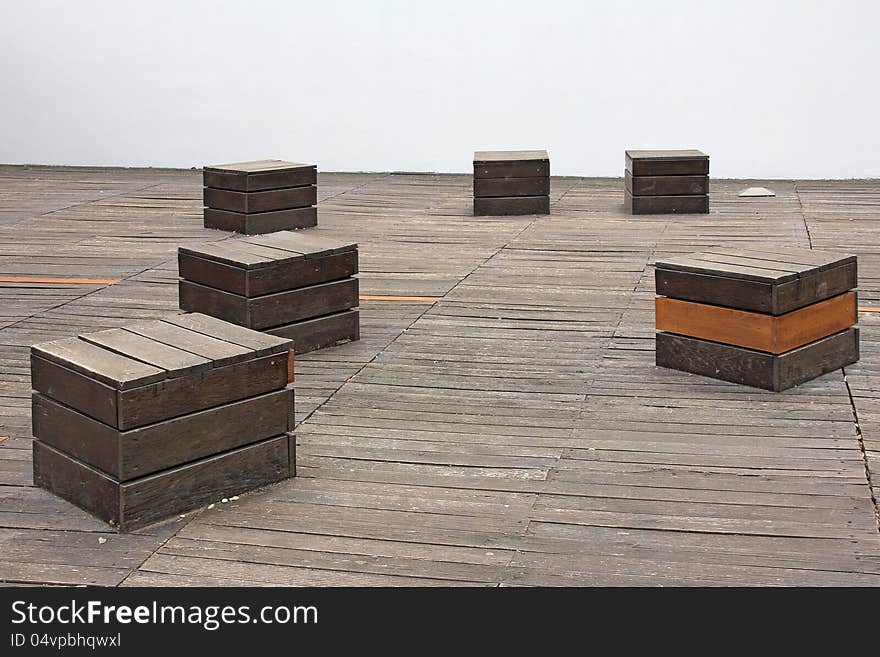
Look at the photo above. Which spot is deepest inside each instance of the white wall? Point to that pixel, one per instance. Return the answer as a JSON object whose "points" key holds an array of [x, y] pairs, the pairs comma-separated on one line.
{"points": [[768, 89]]}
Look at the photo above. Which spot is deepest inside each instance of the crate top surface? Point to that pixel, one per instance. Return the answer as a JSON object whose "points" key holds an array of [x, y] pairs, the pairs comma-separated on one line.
{"points": [[258, 166], [481, 157], [773, 265], [261, 251], [667, 156], [154, 350]]}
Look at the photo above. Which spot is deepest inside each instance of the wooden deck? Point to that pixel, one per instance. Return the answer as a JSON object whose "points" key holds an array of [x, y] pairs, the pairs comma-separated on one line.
{"points": [[513, 432]]}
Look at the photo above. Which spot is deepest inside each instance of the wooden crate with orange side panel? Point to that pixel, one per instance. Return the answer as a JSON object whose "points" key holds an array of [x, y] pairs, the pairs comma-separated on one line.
{"points": [[767, 317]]}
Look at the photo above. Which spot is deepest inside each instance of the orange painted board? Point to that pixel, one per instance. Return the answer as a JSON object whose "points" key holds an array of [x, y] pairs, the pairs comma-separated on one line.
{"points": [[63, 281], [775, 334], [378, 297]]}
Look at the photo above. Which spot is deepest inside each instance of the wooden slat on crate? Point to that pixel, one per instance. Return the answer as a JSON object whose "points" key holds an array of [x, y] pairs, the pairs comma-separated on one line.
{"points": [[754, 281], [286, 275], [270, 310], [667, 163], [511, 164], [763, 332], [125, 455], [697, 204], [130, 408], [512, 205], [250, 202], [321, 332], [259, 175], [257, 223], [145, 500], [489, 187], [757, 368], [665, 185]]}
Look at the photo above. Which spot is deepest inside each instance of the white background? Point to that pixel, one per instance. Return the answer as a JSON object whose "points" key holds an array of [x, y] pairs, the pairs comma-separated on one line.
{"points": [[768, 89]]}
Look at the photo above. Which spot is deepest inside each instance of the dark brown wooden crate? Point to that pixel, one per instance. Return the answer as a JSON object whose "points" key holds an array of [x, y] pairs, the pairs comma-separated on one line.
{"points": [[259, 175], [492, 187], [511, 164], [261, 222], [696, 204], [270, 310], [667, 163], [251, 202], [511, 205], [756, 368], [146, 500], [288, 275], [321, 332], [126, 455], [665, 185], [762, 279]]}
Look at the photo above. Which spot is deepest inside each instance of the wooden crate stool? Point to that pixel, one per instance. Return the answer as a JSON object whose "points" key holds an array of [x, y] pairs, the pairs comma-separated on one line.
{"points": [[666, 182], [511, 182], [138, 424], [260, 197], [764, 317], [289, 284]]}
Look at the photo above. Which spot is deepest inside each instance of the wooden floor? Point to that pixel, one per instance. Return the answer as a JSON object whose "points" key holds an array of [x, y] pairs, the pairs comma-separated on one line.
{"points": [[515, 432]]}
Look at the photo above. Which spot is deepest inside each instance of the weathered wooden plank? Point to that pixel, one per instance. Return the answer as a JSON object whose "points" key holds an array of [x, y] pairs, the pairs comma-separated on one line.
{"points": [[489, 187], [260, 343], [665, 185], [746, 288], [125, 455], [667, 163], [146, 350], [270, 310], [220, 385], [97, 363], [690, 204], [327, 331], [219, 352], [763, 332], [134, 504], [259, 175], [755, 368], [267, 280], [267, 201], [511, 164], [257, 223], [512, 205]]}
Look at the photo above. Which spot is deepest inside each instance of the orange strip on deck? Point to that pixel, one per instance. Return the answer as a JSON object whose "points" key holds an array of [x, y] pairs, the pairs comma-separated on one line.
{"points": [[869, 309], [375, 297], [68, 281]]}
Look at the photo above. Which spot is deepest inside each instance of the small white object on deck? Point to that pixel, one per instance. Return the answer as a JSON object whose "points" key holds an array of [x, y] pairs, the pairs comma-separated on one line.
{"points": [[756, 192]]}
